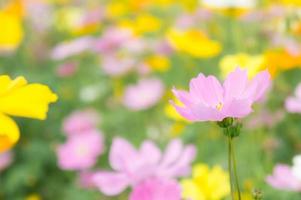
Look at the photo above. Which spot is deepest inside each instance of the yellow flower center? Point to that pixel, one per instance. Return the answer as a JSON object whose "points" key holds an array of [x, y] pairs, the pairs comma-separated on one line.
{"points": [[219, 106]]}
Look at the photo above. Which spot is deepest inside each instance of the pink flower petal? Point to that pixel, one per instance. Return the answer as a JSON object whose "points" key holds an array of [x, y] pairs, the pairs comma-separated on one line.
{"points": [[110, 183], [235, 84], [122, 154]]}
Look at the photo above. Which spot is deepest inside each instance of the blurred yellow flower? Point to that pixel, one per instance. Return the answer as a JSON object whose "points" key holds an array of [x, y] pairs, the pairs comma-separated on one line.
{"points": [[281, 60], [11, 30], [116, 9], [18, 98], [206, 184], [143, 23], [286, 2], [253, 63], [158, 63], [70, 19], [33, 197], [194, 43]]}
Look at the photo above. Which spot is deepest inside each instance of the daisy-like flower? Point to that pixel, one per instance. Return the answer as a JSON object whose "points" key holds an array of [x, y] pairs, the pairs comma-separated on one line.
{"points": [[18, 98], [208, 100]]}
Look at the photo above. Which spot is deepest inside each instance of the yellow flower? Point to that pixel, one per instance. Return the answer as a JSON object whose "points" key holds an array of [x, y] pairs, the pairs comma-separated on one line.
{"points": [[286, 2], [11, 33], [144, 23], [18, 98], [206, 184], [69, 19], [281, 60], [253, 63], [194, 43], [116, 9], [33, 197], [158, 63]]}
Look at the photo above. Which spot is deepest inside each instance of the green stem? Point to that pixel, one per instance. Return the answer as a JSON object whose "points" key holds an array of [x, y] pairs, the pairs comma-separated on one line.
{"points": [[235, 172], [230, 165]]}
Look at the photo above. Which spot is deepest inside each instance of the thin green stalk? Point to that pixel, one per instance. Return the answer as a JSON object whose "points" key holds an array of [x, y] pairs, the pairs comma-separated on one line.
{"points": [[230, 166], [235, 172]]}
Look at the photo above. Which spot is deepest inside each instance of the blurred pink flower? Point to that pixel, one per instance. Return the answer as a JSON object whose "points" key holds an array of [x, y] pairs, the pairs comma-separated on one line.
{"points": [[6, 159], [145, 94], [81, 121], [116, 66], [112, 39], [132, 166], [283, 178], [293, 103], [71, 48], [67, 69], [80, 152], [265, 118], [208, 100], [156, 189], [85, 179]]}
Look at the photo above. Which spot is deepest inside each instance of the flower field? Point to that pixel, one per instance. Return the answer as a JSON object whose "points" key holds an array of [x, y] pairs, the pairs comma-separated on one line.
{"points": [[150, 100]]}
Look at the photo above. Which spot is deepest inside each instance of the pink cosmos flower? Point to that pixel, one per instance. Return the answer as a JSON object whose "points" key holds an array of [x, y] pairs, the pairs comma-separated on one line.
{"points": [[6, 159], [112, 39], [113, 65], [208, 100], [145, 94], [133, 166], [80, 152], [156, 189], [283, 178], [81, 121], [293, 103], [67, 69], [71, 48]]}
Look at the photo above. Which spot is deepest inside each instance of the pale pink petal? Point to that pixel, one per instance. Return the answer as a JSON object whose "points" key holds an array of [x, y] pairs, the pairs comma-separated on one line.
{"points": [[150, 152], [172, 152], [183, 96], [237, 108], [235, 84], [283, 178], [110, 183], [293, 105], [122, 154], [182, 166], [258, 86], [156, 189], [207, 90]]}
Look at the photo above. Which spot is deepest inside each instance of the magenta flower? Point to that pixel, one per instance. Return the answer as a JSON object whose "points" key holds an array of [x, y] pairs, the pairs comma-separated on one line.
{"points": [[208, 100], [145, 94], [132, 166], [293, 103], [283, 178], [6, 159], [156, 189], [81, 121], [80, 152]]}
